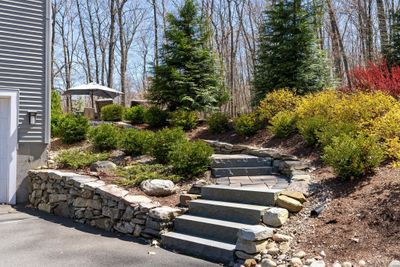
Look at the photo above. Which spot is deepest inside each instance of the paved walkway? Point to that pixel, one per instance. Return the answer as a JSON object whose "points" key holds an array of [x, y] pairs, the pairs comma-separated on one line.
{"points": [[32, 238], [266, 181]]}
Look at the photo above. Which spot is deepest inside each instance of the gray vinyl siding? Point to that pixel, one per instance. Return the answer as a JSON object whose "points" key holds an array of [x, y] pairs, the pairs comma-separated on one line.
{"points": [[24, 55]]}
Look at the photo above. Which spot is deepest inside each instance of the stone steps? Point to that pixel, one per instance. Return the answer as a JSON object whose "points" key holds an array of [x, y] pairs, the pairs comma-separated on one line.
{"points": [[219, 230], [230, 211], [204, 248], [246, 195], [240, 160], [241, 171]]}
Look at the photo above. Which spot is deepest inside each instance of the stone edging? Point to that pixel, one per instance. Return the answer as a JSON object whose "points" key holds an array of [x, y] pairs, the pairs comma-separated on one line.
{"points": [[90, 201], [296, 169]]}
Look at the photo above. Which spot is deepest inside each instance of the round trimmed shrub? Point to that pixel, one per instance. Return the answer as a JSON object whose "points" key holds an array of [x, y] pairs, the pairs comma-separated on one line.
{"points": [[104, 137], [135, 114], [246, 124], [283, 124], [73, 128], [113, 112], [184, 119], [155, 117], [135, 142], [190, 158], [354, 156], [218, 122], [163, 141]]}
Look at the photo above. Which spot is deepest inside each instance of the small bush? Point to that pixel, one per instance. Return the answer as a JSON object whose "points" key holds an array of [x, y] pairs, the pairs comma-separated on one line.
{"points": [[133, 175], [218, 122], [135, 142], [277, 101], [163, 141], [113, 112], [283, 124], [104, 137], [135, 114], [76, 159], [327, 132], [155, 117], [353, 156], [184, 119], [246, 124], [310, 127], [55, 125], [73, 129], [190, 158]]}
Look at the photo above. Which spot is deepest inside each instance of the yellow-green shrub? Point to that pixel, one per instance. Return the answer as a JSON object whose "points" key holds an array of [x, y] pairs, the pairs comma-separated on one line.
{"points": [[387, 128], [283, 124], [353, 156], [277, 101], [246, 124]]}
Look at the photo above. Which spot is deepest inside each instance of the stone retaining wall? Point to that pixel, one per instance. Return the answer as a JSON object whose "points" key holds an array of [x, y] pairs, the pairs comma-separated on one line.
{"points": [[296, 169], [90, 201]]}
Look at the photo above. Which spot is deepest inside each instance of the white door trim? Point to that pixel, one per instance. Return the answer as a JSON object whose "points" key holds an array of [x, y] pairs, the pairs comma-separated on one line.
{"points": [[13, 96]]}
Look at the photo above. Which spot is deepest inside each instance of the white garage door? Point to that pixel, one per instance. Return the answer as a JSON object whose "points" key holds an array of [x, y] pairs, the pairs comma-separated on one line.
{"points": [[4, 150]]}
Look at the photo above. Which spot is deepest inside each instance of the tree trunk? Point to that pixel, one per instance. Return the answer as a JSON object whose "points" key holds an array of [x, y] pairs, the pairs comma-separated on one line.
{"points": [[111, 46], [85, 45], [382, 27]]}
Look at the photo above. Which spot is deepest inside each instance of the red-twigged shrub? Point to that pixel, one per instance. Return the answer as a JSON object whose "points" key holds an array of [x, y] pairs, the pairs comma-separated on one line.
{"points": [[377, 77]]}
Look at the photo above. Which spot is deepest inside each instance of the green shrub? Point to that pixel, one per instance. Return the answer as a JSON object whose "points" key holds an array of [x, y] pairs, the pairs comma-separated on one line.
{"points": [[73, 128], [327, 132], [55, 124], [190, 158], [246, 124], [283, 124], [104, 137], [113, 112], [218, 122], [353, 156], [135, 142], [56, 103], [277, 101], [133, 175], [76, 159], [309, 127], [135, 114], [155, 117], [163, 142], [184, 119]]}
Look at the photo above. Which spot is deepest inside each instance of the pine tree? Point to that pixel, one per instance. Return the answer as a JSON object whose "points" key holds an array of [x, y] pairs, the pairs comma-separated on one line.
{"points": [[288, 53], [187, 76], [394, 54]]}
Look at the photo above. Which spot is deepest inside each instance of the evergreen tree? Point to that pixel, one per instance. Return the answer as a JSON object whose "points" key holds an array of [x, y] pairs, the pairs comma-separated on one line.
{"points": [[394, 54], [187, 76], [288, 53]]}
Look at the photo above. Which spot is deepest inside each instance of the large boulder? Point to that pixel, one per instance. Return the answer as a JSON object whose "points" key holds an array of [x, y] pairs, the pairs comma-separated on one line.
{"points": [[164, 213], [106, 167], [275, 217], [291, 204], [158, 188]]}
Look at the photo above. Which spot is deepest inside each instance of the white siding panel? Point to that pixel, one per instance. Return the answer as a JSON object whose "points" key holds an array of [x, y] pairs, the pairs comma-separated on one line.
{"points": [[23, 60]]}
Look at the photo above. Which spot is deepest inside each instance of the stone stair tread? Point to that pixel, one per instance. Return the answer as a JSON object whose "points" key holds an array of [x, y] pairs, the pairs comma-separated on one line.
{"points": [[218, 222], [208, 249], [244, 189], [200, 240], [239, 168], [229, 204], [233, 156]]}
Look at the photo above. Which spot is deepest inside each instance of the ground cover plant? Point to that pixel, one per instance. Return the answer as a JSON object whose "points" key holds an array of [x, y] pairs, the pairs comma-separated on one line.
{"points": [[76, 158], [133, 175]]}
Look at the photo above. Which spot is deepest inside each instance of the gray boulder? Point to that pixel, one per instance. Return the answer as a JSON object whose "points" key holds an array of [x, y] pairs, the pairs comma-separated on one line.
{"points": [[106, 167], [158, 187]]}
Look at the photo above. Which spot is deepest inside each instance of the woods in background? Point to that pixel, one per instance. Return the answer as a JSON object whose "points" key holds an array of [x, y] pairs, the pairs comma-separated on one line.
{"points": [[118, 42]]}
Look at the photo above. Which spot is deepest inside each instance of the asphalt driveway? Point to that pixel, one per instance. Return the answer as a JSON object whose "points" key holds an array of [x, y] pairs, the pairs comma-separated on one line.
{"points": [[32, 238]]}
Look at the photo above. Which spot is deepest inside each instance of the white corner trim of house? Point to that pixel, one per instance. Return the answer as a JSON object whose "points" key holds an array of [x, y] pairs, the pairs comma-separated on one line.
{"points": [[8, 170]]}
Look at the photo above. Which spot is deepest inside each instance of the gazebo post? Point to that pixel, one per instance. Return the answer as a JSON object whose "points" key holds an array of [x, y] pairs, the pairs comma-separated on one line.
{"points": [[92, 98]]}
